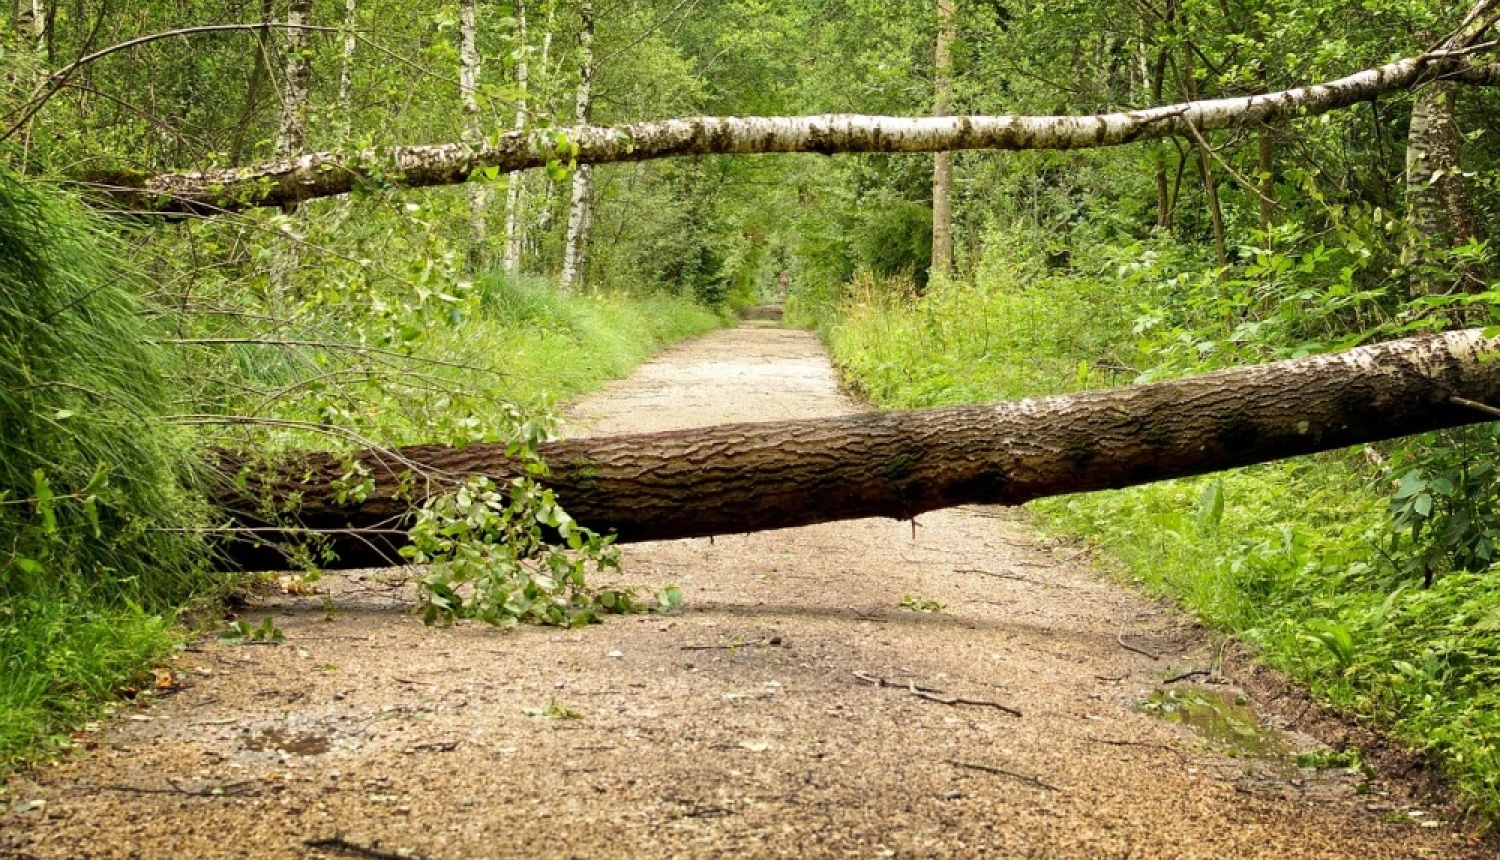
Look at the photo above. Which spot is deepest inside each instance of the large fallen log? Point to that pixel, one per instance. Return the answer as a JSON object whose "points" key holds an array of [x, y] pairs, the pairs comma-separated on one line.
{"points": [[751, 477]]}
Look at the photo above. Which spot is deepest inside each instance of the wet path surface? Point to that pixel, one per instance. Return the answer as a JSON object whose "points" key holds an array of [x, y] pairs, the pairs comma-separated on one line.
{"points": [[843, 690]]}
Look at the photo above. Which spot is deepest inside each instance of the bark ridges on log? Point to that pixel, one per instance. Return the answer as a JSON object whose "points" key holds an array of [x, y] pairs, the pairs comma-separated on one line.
{"points": [[750, 477]]}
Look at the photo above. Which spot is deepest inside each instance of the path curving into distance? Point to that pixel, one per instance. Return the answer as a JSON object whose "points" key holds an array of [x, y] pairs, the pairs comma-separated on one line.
{"points": [[794, 707]]}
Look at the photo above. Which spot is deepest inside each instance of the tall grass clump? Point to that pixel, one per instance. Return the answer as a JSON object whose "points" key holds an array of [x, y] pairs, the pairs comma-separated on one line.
{"points": [[1017, 328], [95, 555]]}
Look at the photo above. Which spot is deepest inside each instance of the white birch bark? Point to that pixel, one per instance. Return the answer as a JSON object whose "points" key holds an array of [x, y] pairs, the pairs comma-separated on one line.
{"points": [[31, 24], [515, 186], [346, 70], [293, 134], [323, 174], [292, 137], [468, 89], [580, 212], [942, 162]]}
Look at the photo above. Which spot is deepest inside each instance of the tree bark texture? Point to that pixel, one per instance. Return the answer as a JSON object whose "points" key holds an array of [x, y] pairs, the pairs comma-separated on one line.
{"points": [[292, 137], [468, 91], [580, 209], [515, 185], [346, 69], [324, 174], [942, 162], [1439, 208], [750, 477]]}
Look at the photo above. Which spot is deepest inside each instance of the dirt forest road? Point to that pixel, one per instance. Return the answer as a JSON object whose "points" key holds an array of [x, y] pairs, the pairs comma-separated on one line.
{"points": [[801, 704]]}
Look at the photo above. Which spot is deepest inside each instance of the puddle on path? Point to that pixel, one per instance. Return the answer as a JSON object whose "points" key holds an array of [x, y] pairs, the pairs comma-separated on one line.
{"points": [[1223, 718], [297, 744]]}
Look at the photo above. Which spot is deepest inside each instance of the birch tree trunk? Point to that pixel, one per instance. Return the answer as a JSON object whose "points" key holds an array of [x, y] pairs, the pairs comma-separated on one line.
{"points": [[31, 25], [325, 174], [468, 90], [750, 477], [346, 70], [1440, 211], [942, 162], [292, 137], [580, 210], [516, 185]]}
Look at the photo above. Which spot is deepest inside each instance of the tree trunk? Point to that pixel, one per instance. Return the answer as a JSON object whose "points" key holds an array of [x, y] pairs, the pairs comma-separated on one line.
{"points": [[468, 91], [942, 162], [292, 137], [1266, 166], [325, 174], [580, 210], [1205, 169], [31, 25], [515, 186], [1163, 196], [750, 477], [1440, 211], [346, 70]]}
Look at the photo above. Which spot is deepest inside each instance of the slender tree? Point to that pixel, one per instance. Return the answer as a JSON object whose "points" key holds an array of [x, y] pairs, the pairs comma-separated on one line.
{"points": [[942, 162], [292, 135], [346, 69], [468, 88], [516, 184], [292, 138], [580, 210]]}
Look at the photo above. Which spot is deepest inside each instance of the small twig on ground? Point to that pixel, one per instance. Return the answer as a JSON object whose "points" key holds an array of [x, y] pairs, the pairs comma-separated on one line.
{"points": [[1120, 638], [1076, 555], [933, 695], [761, 643], [244, 788], [1181, 756], [1186, 675], [340, 845], [881, 682], [996, 574], [960, 700], [1000, 771]]}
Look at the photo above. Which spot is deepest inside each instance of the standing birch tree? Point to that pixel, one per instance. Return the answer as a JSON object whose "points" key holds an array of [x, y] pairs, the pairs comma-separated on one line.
{"points": [[580, 212], [468, 89], [942, 162], [516, 182]]}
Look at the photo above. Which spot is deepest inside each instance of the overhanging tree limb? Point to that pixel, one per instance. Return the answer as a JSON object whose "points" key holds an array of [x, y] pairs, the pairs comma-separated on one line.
{"points": [[324, 174], [751, 477]]}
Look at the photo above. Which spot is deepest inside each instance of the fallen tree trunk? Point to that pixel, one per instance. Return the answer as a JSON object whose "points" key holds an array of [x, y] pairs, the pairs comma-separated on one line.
{"points": [[751, 477], [289, 181]]}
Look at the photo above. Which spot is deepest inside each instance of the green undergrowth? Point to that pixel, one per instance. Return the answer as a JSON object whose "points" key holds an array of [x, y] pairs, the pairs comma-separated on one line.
{"points": [[95, 556], [1317, 561], [464, 362]]}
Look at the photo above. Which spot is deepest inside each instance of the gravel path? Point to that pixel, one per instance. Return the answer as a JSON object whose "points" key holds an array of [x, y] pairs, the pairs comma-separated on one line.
{"points": [[800, 705]]}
